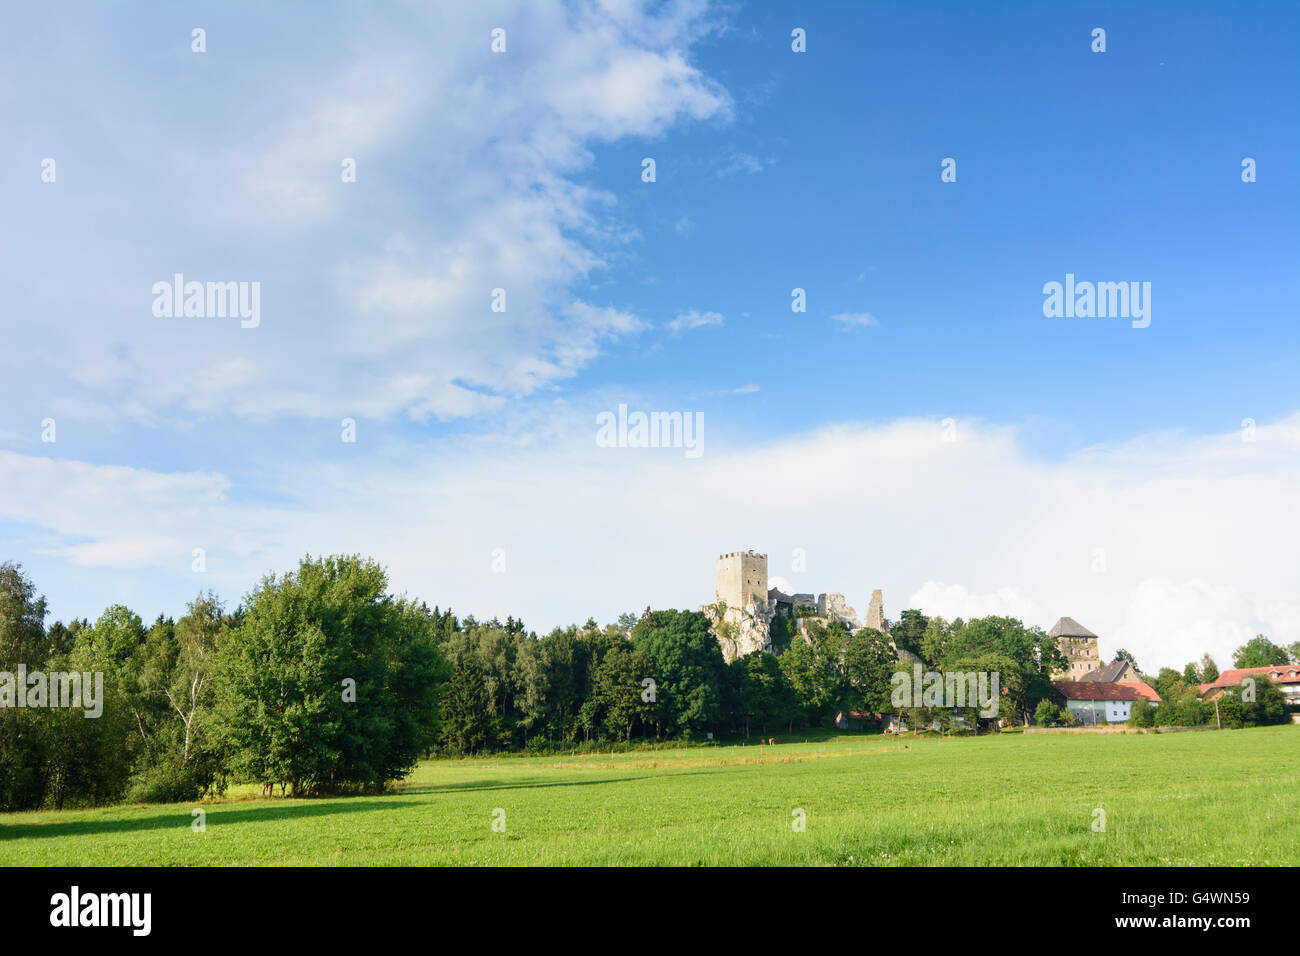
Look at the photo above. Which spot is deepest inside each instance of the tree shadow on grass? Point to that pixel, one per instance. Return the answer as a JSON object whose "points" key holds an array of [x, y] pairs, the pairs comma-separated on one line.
{"points": [[220, 815], [217, 816], [542, 783]]}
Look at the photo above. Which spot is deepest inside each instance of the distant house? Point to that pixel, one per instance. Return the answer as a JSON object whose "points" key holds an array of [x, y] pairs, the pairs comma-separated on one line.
{"points": [[1098, 701], [1285, 676], [1116, 672], [856, 720], [895, 724]]}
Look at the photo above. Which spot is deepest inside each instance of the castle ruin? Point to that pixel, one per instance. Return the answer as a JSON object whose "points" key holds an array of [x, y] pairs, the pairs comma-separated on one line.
{"points": [[744, 606]]}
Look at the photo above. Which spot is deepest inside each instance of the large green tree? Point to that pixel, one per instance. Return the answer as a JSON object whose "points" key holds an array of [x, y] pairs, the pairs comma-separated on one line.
{"points": [[1259, 651], [328, 682], [810, 677], [1023, 658], [621, 701], [765, 698], [691, 674], [910, 631]]}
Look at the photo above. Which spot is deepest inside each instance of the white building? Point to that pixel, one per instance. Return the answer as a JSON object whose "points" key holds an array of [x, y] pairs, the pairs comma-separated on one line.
{"points": [[1098, 702]]}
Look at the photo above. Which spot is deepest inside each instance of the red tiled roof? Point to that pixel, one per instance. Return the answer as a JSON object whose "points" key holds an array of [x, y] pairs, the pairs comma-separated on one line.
{"points": [[1105, 690], [1146, 690], [1278, 673]]}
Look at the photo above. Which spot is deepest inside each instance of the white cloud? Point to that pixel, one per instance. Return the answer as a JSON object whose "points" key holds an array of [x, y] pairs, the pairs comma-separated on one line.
{"points": [[694, 319], [1174, 622], [376, 295], [855, 320], [950, 601], [740, 162], [1198, 532]]}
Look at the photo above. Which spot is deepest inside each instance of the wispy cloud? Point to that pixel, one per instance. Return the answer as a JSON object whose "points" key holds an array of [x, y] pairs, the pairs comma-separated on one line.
{"points": [[376, 301], [694, 319], [855, 320], [739, 162]]}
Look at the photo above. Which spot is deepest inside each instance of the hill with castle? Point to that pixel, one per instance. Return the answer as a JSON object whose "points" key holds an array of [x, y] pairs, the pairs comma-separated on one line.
{"points": [[745, 608]]}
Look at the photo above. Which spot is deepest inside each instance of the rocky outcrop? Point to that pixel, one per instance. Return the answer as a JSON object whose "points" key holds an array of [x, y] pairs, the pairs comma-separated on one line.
{"points": [[741, 631]]}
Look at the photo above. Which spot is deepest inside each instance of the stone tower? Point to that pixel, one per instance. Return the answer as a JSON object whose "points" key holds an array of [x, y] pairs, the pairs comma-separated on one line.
{"points": [[742, 579], [876, 612], [1079, 645]]}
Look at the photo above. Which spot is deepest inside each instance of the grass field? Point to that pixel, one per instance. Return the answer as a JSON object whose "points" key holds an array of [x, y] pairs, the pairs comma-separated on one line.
{"points": [[1230, 798]]}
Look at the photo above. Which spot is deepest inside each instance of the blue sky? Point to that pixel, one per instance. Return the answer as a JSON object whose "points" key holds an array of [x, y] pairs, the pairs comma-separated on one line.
{"points": [[1122, 164], [775, 170]]}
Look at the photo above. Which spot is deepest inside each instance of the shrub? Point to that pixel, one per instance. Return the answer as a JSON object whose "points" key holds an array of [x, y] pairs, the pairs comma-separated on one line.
{"points": [[1142, 714], [1047, 714]]}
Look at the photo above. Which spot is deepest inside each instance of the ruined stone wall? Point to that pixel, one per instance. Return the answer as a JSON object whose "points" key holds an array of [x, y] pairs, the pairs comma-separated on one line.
{"points": [[833, 607], [876, 612]]}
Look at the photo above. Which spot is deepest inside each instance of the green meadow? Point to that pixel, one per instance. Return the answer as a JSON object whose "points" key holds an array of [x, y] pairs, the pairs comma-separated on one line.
{"points": [[1224, 798]]}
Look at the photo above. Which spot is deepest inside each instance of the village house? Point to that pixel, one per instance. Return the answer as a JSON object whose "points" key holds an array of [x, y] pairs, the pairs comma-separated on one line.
{"points": [[856, 720], [1099, 701], [1117, 672], [1285, 676]]}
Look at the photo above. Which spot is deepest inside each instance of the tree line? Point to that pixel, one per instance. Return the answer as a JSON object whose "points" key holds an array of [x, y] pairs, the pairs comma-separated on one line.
{"points": [[321, 681]]}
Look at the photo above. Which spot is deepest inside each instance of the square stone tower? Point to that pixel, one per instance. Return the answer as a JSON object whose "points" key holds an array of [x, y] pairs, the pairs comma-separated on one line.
{"points": [[742, 578], [1080, 647]]}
